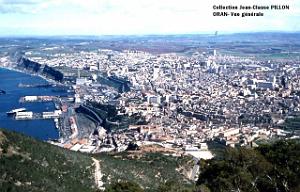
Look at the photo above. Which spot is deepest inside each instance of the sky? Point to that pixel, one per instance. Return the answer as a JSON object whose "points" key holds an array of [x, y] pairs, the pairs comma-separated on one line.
{"points": [[138, 17]]}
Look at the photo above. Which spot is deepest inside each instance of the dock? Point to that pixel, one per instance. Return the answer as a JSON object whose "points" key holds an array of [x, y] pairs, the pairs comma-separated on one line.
{"points": [[30, 99], [29, 115], [46, 85]]}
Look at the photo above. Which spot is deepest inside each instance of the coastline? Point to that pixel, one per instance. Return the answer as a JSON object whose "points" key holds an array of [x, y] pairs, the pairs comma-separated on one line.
{"points": [[48, 80], [11, 68], [41, 129]]}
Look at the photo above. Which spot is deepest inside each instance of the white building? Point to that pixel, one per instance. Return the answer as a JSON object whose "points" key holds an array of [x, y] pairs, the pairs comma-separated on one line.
{"points": [[156, 72], [30, 98]]}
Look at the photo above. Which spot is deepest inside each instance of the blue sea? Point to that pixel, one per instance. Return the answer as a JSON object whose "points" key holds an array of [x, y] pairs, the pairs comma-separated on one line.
{"points": [[39, 129]]}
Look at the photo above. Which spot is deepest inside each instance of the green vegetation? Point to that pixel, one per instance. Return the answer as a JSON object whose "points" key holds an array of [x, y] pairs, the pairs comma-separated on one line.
{"points": [[104, 81], [123, 121], [30, 165], [104, 111], [169, 186], [265, 169], [112, 120], [124, 187], [292, 124], [217, 148], [150, 170]]}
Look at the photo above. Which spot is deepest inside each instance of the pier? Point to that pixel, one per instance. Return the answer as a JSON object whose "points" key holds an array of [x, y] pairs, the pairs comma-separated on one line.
{"points": [[45, 85], [29, 115], [28, 99]]}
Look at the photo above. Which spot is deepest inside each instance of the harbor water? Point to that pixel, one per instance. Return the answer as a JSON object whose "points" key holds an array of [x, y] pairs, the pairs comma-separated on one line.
{"points": [[40, 129]]}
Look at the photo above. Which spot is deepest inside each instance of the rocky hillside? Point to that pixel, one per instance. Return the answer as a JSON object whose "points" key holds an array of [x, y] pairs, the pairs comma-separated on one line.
{"points": [[30, 165]]}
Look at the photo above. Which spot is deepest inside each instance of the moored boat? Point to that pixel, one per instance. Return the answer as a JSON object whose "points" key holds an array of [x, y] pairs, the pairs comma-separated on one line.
{"points": [[14, 111]]}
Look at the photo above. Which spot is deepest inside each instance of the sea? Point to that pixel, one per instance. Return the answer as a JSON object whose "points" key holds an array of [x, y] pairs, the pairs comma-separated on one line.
{"points": [[39, 129]]}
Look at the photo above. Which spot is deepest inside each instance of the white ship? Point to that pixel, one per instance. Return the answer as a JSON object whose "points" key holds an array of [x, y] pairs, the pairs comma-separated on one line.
{"points": [[14, 111], [23, 115]]}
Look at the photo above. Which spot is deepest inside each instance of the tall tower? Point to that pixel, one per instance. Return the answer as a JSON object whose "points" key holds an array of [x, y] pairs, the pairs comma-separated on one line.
{"points": [[155, 72], [215, 53], [78, 73]]}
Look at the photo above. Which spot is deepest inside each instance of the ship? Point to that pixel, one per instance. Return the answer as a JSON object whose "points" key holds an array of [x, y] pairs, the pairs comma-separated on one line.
{"points": [[14, 111]]}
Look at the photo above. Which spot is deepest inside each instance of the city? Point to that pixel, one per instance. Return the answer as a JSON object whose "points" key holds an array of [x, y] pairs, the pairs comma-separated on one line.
{"points": [[172, 100], [149, 96]]}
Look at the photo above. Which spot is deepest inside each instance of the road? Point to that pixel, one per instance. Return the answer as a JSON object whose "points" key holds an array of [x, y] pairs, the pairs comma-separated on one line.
{"points": [[98, 174]]}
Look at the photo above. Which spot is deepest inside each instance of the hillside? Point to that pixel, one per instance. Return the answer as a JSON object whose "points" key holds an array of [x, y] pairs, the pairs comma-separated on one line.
{"points": [[269, 168], [150, 170], [30, 165]]}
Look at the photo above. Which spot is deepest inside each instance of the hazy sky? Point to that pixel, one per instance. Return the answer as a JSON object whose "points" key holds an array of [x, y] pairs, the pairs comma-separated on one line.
{"points": [[114, 17]]}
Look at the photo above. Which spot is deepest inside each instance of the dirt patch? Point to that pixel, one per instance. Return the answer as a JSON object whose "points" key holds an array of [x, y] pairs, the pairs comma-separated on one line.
{"points": [[98, 174], [2, 140], [137, 154], [153, 149], [11, 150]]}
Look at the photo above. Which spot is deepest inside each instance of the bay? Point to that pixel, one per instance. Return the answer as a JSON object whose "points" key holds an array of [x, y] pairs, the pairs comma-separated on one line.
{"points": [[39, 129]]}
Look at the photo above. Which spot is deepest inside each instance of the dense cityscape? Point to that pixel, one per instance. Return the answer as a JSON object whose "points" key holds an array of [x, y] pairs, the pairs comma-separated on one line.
{"points": [[149, 96], [173, 100], [183, 104]]}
